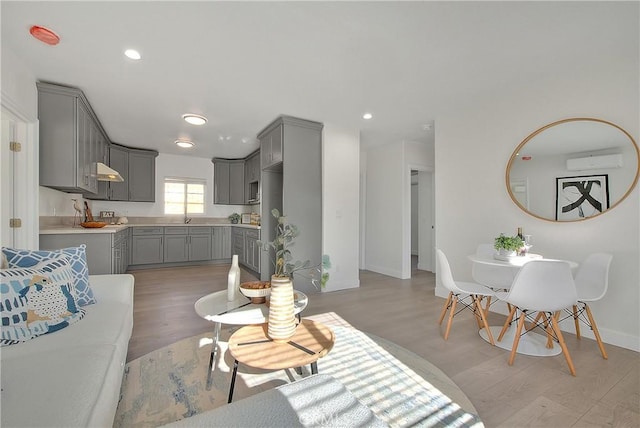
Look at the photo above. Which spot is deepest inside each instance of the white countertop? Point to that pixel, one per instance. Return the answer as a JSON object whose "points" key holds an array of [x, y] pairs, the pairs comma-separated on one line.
{"points": [[113, 228]]}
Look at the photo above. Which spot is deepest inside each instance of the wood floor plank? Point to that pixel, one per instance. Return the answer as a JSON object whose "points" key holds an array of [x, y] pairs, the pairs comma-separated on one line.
{"points": [[535, 391]]}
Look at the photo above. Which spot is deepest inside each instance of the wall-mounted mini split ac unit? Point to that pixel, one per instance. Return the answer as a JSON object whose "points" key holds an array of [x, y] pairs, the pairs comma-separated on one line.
{"points": [[595, 162]]}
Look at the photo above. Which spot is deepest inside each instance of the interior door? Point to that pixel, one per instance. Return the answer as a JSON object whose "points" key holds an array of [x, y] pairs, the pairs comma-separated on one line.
{"points": [[7, 236]]}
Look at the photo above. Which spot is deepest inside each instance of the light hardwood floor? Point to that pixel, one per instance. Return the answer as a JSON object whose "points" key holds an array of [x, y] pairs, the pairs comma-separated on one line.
{"points": [[535, 391]]}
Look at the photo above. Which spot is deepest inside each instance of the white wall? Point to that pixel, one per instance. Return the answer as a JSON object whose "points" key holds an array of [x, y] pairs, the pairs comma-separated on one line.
{"points": [[340, 216], [19, 105], [387, 205], [383, 209], [473, 145]]}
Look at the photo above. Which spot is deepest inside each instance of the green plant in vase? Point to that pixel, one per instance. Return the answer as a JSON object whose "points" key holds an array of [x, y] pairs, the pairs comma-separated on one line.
{"points": [[508, 245], [234, 218]]}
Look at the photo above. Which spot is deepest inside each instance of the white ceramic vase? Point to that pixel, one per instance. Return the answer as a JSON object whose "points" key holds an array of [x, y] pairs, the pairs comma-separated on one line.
{"points": [[233, 280], [282, 319]]}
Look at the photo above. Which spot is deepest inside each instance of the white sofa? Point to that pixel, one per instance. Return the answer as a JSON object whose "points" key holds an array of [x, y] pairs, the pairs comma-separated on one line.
{"points": [[72, 377]]}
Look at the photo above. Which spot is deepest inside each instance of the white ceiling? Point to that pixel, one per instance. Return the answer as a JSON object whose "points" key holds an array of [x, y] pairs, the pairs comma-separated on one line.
{"points": [[241, 64]]}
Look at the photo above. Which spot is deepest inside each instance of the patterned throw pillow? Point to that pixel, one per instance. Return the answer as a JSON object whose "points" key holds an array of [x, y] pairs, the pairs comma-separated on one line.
{"points": [[37, 300], [78, 260]]}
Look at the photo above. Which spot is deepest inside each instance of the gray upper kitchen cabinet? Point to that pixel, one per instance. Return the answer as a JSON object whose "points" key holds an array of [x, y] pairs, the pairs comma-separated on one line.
{"points": [[228, 181], [70, 135], [119, 160], [252, 178], [142, 175], [147, 245], [221, 242], [271, 143], [295, 189], [138, 169]]}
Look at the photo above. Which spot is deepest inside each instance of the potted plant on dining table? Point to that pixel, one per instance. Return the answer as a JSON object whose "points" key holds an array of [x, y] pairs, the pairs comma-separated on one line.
{"points": [[508, 246]]}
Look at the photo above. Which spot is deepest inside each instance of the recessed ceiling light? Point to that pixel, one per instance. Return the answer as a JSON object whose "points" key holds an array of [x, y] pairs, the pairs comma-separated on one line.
{"points": [[133, 54], [194, 119], [185, 144], [367, 116]]}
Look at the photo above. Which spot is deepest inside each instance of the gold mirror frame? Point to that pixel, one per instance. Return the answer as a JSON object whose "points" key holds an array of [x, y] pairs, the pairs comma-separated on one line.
{"points": [[516, 154]]}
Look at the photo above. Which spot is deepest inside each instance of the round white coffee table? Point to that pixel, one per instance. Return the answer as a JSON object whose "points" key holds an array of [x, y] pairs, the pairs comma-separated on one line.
{"points": [[216, 308]]}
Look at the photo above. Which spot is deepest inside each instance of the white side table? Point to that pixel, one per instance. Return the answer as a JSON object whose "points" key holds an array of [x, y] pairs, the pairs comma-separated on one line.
{"points": [[214, 307]]}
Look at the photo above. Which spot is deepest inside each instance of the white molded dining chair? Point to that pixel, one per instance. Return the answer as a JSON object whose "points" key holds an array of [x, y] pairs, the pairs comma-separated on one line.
{"points": [[496, 277], [545, 287], [459, 292], [592, 281]]}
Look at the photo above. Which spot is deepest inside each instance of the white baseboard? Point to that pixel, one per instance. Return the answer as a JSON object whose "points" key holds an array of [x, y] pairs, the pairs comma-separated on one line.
{"points": [[385, 271], [333, 285]]}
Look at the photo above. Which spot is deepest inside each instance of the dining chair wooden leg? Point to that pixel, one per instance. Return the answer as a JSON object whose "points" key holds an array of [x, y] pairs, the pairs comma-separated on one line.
{"points": [[507, 322], [445, 307], [451, 314], [516, 339], [486, 307], [477, 308], [563, 345], [485, 323], [594, 327], [548, 329], [576, 321]]}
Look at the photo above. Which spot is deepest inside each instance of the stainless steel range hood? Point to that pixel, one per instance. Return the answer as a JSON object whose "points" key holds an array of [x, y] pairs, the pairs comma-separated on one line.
{"points": [[108, 174]]}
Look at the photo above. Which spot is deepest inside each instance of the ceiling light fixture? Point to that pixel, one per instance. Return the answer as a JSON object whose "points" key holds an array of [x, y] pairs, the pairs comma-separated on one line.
{"points": [[44, 35], [367, 116], [133, 54], [194, 119], [185, 144]]}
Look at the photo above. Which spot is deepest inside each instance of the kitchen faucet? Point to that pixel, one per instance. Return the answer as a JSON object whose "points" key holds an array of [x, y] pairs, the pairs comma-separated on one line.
{"points": [[187, 220]]}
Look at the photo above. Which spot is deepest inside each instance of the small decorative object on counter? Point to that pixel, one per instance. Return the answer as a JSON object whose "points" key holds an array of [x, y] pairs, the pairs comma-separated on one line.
{"points": [[234, 218], [233, 280]]}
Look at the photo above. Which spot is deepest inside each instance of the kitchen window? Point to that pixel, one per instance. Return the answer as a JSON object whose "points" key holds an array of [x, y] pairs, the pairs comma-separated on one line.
{"points": [[184, 196]]}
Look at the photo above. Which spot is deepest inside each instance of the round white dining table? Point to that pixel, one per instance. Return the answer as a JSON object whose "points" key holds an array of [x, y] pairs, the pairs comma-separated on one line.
{"points": [[498, 274]]}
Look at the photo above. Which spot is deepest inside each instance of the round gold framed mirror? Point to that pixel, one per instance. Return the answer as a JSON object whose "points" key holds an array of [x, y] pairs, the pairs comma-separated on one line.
{"points": [[573, 169]]}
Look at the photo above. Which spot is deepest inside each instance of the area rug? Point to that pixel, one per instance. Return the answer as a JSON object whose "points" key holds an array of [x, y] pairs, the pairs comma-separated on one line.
{"points": [[401, 388]]}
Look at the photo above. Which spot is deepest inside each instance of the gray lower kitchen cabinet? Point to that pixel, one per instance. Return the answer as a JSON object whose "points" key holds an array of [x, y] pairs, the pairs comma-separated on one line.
{"points": [[106, 252], [237, 243], [176, 248], [245, 245], [147, 245], [221, 242], [120, 261], [184, 243], [251, 250]]}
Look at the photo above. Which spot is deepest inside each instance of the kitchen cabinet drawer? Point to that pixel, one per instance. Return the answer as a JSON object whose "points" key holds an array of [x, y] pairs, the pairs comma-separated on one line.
{"points": [[255, 234], [176, 230], [153, 230], [199, 230]]}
